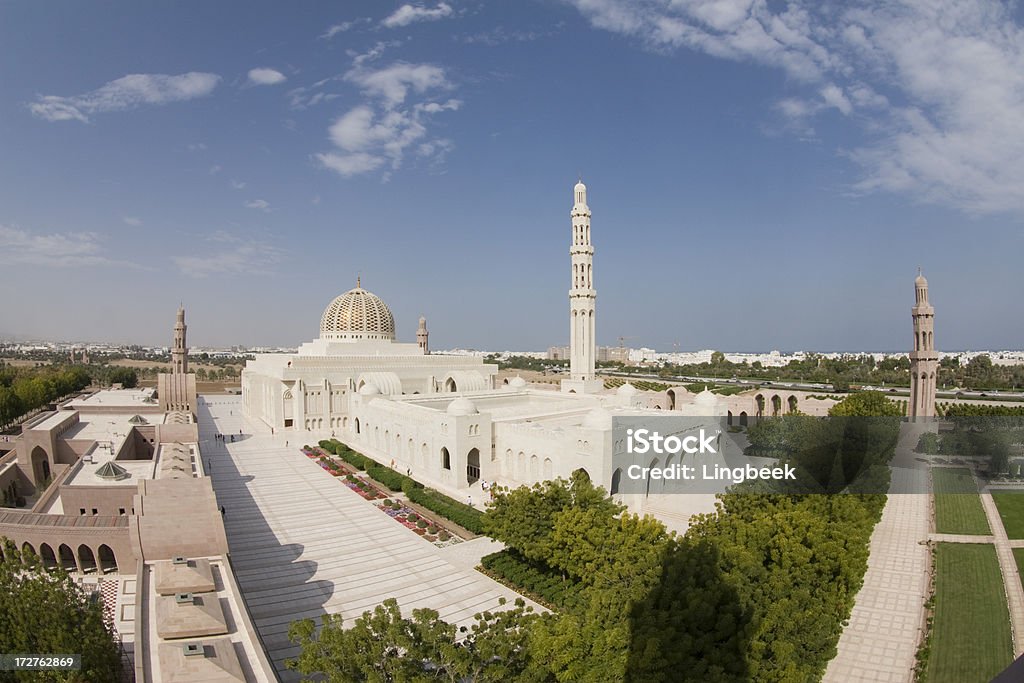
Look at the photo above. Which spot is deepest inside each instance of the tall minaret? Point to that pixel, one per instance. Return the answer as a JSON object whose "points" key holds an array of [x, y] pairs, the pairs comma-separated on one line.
{"points": [[422, 335], [582, 300], [179, 352], [924, 360]]}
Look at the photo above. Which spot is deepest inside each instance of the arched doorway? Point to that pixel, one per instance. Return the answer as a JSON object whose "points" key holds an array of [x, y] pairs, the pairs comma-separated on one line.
{"points": [[743, 419], [357, 425], [582, 472], [759, 403], [28, 552], [47, 557], [671, 399], [473, 466], [647, 490], [548, 467], [776, 406], [616, 480], [450, 386], [40, 466], [86, 559], [446, 458], [728, 419], [792, 404], [108, 562], [67, 558]]}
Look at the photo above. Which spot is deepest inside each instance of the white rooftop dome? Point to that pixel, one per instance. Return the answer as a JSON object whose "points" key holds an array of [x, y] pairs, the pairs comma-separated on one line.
{"points": [[357, 314], [517, 382], [462, 406], [626, 389], [369, 389], [706, 398]]}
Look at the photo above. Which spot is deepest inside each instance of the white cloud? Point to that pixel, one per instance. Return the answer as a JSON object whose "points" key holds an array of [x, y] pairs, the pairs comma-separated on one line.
{"points": [[132, 221], [936, 86], [127, 92], [247, 259], [237, 184], [215, 169], [260, 204], [62, 249], [393, 83], [266, 76], [379, 133], [410, 14], [342, 27], [196, 146], [360, 58]]}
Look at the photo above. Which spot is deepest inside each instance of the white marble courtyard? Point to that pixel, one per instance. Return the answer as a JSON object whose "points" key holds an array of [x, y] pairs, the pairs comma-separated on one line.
{"points": [[303, 544]]}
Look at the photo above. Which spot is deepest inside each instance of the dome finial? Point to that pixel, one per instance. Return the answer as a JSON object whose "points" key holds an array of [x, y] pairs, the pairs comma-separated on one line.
{"points": [[359, 282]]}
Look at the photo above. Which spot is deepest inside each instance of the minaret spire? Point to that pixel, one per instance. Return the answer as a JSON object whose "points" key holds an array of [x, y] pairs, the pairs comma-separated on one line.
{"points": [[924, 359], [179, 351], [422, 336], [582, 300]]}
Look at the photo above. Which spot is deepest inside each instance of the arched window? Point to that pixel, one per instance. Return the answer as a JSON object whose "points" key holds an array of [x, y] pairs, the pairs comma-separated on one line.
{"points": [[446, 459]]}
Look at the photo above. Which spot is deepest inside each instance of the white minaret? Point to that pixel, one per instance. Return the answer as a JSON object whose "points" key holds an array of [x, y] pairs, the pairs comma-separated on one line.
{"points": [[179, 352], [422, 336], [924, 359], [582, 301]]}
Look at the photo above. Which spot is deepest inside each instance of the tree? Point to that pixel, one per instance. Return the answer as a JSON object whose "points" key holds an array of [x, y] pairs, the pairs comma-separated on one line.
{"points": [[126, 377], [45, 611], [866, 404], [383, 646]]}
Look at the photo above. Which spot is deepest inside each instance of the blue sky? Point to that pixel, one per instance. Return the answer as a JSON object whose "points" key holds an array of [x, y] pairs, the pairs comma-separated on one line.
{"points": [[762, 175]]}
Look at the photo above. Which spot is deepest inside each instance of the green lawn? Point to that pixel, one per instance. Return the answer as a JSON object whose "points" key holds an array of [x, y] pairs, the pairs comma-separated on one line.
{"points": [[970, 638], [1011, 509], [957, 504], [1018, 554]]}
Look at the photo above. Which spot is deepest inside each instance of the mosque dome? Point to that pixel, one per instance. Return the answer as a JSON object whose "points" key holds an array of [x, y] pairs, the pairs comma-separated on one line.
{"points": [[369, 389], [357, 314], [598, 418], [517, 382], [462, 406], [706, 398], [626, 389]]}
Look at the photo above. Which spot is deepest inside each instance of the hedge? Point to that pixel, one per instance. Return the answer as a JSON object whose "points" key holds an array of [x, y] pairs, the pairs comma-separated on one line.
{"points": [[467, 517], [535, 578], [387, 476]]}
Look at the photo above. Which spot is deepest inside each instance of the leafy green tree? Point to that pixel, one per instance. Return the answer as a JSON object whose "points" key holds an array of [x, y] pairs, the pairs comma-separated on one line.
{"points": [[866, 404], [127, 377], [382, 646], [45, 611]]}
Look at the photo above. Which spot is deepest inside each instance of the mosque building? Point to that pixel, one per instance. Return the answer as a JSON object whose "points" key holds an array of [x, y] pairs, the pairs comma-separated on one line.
{"points": [[451, 424]]}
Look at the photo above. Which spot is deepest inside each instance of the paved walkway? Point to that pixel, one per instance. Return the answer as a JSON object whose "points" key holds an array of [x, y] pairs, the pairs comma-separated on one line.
{"points": [[303, 544], [1008, 567], [880, 640]]}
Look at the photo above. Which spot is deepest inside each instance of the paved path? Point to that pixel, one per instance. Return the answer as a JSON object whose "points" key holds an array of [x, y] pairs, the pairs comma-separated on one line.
{"points": [[303, 544], [960, 538], [880, 641], [1008, 567]]}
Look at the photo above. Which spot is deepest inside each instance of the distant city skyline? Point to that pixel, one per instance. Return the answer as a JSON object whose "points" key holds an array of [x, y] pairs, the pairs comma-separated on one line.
{"points": [[759, 180]]}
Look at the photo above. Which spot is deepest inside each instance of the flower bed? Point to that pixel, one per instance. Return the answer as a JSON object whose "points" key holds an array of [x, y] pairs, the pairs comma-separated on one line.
{"points": [[412, 520]]}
